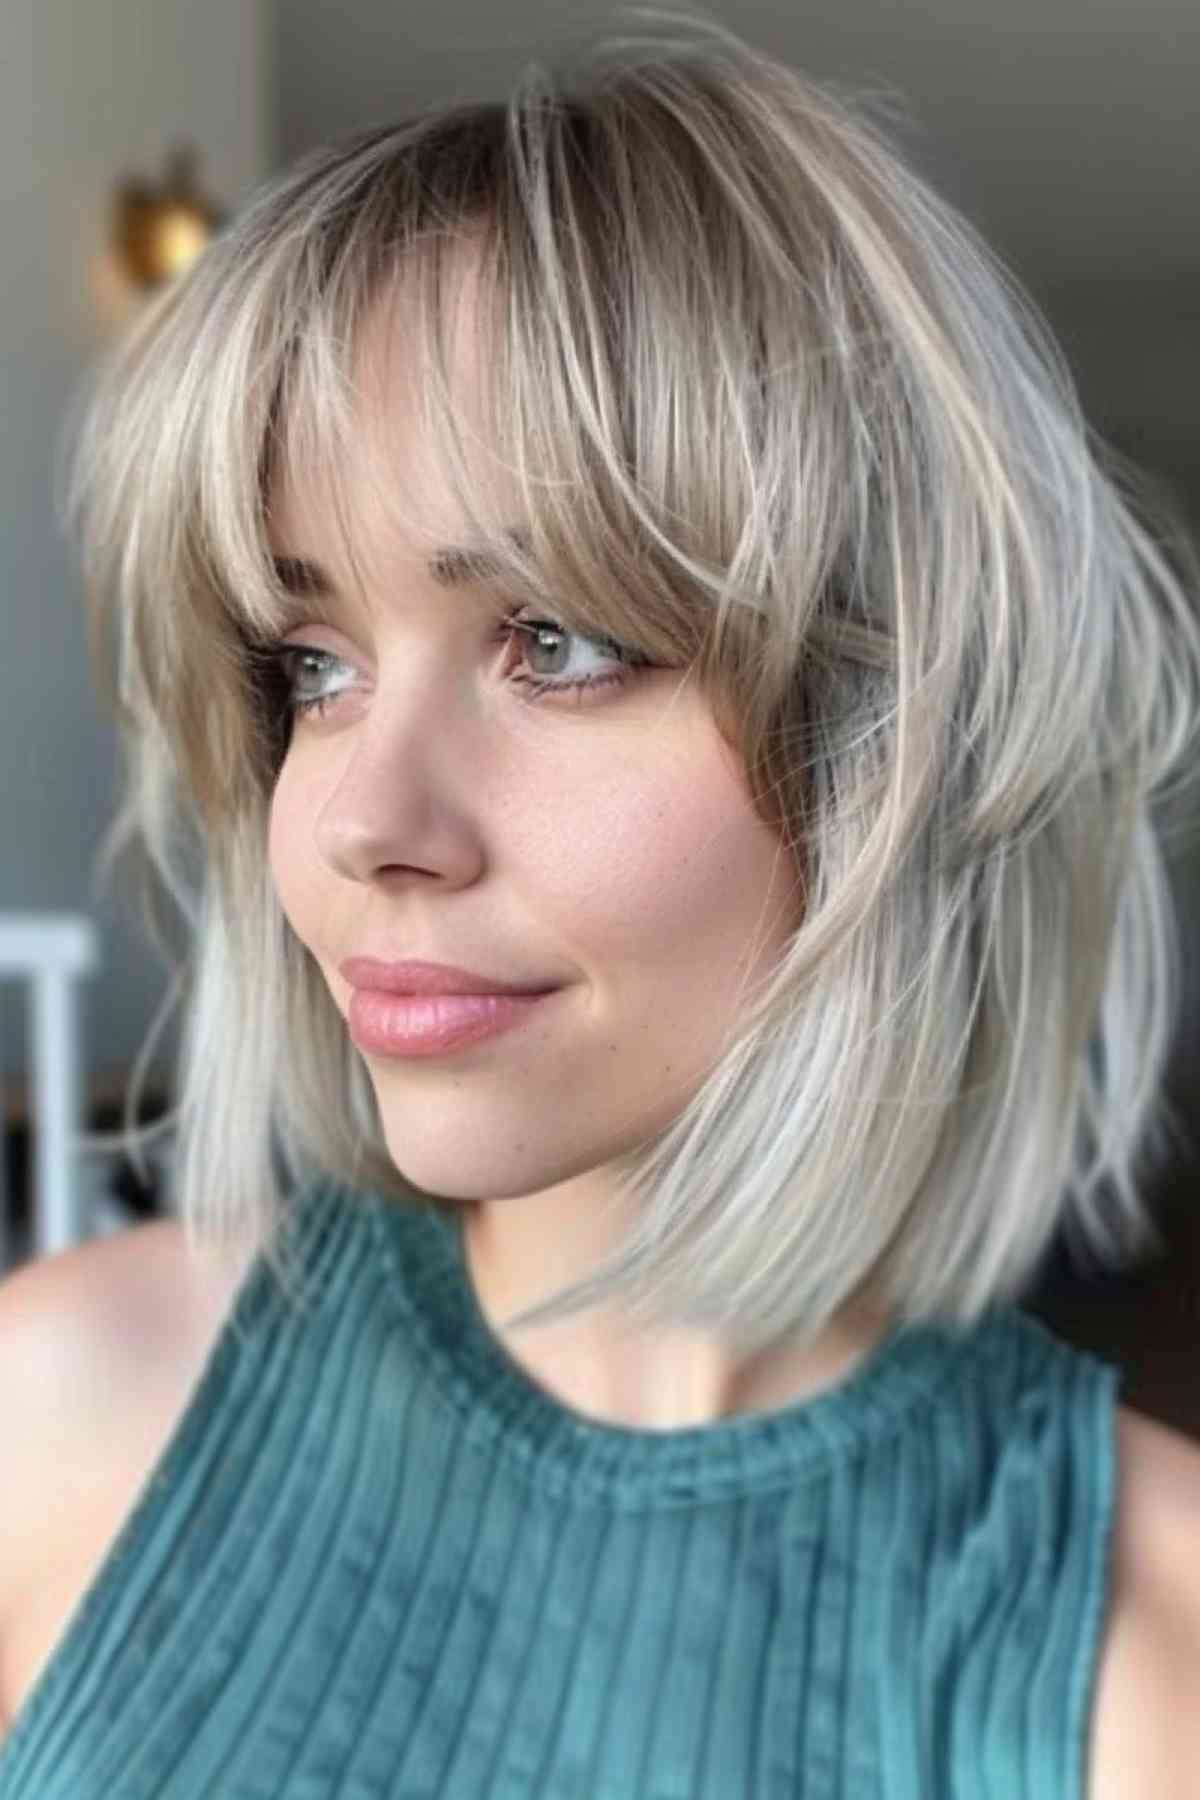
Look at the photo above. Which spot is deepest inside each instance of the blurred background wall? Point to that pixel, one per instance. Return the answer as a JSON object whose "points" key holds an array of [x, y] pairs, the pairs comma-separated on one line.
{"points": [[91, 92], [1066, 129]]}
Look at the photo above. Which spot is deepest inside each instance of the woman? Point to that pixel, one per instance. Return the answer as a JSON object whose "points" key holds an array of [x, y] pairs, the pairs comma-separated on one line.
{"points": [[648, 707]]}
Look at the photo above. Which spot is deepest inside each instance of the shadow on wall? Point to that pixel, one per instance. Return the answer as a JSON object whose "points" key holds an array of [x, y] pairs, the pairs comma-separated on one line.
{"points": [[1145, 1319]]}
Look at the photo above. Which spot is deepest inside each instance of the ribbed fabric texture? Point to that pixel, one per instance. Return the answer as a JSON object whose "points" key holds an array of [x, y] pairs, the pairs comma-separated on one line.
{"points": [[378, 1562]]}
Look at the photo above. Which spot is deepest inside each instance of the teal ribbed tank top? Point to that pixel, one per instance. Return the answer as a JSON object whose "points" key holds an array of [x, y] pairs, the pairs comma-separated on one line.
{"points": [[377, 1561]]}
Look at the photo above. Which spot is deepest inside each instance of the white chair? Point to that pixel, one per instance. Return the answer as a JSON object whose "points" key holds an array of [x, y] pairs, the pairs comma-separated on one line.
{"points": [[51, 952]]}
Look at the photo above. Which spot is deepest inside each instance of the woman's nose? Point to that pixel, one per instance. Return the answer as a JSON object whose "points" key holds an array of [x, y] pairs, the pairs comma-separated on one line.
{"points": [[400, 803]]}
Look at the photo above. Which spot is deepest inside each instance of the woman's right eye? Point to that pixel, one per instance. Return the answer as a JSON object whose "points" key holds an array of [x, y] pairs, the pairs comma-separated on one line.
{"points": [[304, 674]]}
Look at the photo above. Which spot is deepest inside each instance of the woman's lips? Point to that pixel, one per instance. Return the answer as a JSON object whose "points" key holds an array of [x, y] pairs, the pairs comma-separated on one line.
{"points": [[404, 1025]]}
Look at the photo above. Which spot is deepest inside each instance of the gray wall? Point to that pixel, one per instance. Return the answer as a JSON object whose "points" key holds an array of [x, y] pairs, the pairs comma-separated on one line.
{"points": [[1066, 126], [91, 91]]}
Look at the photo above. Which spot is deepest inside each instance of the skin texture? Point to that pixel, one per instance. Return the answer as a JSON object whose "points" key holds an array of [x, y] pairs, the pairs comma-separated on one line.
{"points": [[603, 843]]}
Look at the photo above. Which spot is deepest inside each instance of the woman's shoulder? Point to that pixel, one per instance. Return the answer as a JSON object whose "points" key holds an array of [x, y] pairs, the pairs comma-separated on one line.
{"points": [[1146, 1715], [110, 1322], [101, 1347]]}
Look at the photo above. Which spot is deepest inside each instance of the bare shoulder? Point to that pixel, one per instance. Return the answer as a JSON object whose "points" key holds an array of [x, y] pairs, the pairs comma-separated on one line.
{"points": [[1146, 1715], [76, 1323], [100, 1346]]}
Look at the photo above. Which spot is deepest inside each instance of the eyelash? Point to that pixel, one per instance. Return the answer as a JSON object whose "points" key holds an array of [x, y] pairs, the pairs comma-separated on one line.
{"points": [[280, 658]]}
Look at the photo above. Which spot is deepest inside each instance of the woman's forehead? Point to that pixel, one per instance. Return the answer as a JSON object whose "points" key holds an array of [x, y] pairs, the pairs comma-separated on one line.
{"points": [[325, 543], [382, 476], [400, 338]]}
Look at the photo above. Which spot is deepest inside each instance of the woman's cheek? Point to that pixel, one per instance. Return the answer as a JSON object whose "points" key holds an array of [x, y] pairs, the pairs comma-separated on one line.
{"points": [[286, 854]]}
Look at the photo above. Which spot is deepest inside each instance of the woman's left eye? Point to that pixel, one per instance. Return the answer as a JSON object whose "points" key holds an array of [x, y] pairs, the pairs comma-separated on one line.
{"points": [[545, 638], [310, 680]]}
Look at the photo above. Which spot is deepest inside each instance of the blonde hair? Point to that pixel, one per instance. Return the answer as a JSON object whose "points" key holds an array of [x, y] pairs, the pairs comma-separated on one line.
{"points": [[777, 416]]}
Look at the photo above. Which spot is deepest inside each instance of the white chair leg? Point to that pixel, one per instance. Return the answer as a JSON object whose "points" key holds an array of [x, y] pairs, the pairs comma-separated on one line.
{"points": [[51, 952]]}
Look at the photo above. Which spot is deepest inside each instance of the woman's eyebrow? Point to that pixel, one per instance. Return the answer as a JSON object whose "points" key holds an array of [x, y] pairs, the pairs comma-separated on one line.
{"points": [[452, 565], [297, 576], [458, 566]]}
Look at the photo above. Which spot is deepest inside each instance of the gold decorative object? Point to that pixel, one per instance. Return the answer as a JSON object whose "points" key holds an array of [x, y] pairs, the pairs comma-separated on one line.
{"points": [[160, 230]]}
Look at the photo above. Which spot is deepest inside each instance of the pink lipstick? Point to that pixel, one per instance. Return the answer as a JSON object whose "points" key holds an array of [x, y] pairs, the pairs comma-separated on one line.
{"points": [[416, 1009]]}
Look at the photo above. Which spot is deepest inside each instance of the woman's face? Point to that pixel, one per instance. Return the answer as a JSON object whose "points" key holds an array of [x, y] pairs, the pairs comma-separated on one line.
{"points": [[599, 842]]}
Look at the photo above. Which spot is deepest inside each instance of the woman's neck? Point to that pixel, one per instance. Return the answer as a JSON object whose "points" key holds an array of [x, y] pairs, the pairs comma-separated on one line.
{"points": [[601, 1366]]}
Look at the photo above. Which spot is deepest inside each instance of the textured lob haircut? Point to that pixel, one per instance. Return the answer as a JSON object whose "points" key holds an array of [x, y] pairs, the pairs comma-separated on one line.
{"points": [[776, 415]]}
